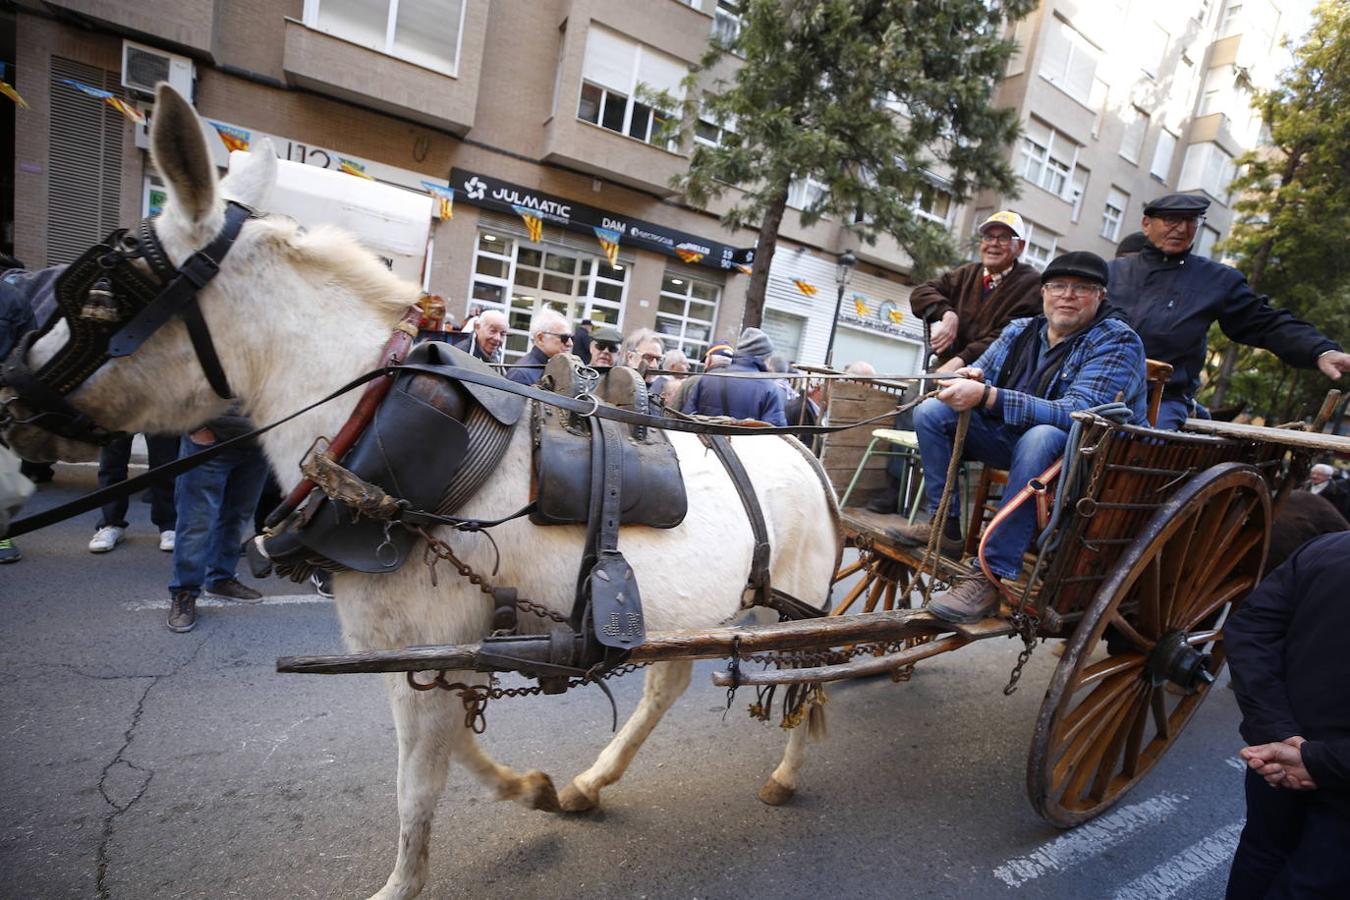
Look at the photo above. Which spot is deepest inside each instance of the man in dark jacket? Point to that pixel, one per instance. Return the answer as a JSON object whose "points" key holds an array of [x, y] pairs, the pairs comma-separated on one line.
{"points": [[1172, 296], [741, 398], [1077, 354], [969, 305], [551, 334], [1291, 674], [487, 338]]}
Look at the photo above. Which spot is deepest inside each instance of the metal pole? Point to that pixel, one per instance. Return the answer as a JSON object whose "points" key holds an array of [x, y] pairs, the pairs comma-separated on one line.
{"points": [[834, 326]]}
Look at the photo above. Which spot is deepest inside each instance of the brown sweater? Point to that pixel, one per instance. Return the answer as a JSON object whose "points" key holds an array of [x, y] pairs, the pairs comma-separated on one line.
{"points": [[1017, 296]]}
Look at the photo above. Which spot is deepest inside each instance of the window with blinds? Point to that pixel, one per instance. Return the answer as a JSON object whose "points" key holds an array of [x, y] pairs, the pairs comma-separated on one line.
{"points": [[619, 76], [84, 170]]}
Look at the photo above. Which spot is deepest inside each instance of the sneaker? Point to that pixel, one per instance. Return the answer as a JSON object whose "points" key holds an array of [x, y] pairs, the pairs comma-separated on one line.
{"points": [[166, 540], [106, 538], [973, 597], [917, 535], [231, 589], [182, 612], [322, 580], [8, 552]]}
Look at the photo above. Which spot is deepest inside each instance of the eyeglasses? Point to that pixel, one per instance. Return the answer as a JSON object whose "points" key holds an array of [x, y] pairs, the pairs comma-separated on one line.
{"points": [[651, 358], [1079, 291], [1003, 240], [605, 346], [563, 336], [1179, 221]]}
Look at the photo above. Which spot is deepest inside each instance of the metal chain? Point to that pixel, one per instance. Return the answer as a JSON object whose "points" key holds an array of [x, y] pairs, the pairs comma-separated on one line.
{"points": [[437, 550], [1025, 624]]}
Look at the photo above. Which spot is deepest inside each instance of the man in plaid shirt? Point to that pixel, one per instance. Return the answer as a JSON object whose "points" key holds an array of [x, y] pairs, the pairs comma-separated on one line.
{"points": [[1077, 354]]}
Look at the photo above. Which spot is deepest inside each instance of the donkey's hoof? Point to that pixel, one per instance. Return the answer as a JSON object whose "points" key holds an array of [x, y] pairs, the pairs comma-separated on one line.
{"points": [[775, 794], [537, 791], [573, 800]]}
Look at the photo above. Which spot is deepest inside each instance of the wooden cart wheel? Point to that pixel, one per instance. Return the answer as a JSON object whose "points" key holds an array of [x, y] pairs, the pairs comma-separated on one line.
{"points": [[885, 582], [1108, 718]]}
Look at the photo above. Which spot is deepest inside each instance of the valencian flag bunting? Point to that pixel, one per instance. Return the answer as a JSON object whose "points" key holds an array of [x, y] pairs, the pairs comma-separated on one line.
{"points": [[532, 222], [233, 138], [108, 97], [609, 242], [8, 90], [744, 269], [805, 287], [860, 305], [895, 315], [689, 255], [444, 197], [351, 167]]}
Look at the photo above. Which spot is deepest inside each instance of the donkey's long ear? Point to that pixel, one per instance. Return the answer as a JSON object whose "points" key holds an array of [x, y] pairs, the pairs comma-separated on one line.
{"points": [[252, 175], [180, 153]]}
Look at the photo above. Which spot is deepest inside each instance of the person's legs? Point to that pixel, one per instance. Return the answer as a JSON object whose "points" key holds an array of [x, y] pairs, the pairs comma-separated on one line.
{"points": [[988, 440], [162, 449], [242, 487], [1318, 865], [1036, 449], [112, 469], [198, 497], [1171, 413], [1275, 820]]}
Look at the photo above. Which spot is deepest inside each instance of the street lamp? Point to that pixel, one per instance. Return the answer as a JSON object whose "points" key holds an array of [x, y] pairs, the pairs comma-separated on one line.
{"points": [[842, 273]]}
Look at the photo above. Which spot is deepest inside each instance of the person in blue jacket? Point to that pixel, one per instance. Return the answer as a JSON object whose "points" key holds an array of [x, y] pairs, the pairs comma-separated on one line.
{"points": [[1172, 295], [740, 398]]}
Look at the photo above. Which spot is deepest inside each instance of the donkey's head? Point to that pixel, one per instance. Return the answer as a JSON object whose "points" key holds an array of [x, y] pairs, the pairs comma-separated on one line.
{"points": [[99, 380]]}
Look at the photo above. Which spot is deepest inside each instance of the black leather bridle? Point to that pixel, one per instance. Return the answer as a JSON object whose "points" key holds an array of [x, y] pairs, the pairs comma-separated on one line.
{"points": [[111, 308]]}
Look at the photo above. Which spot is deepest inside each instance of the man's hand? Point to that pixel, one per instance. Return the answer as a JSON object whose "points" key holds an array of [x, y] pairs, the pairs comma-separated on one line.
{"points": [[1333, 364], [1281, 764], [943, 333], [203, 436], [951, 365], [962, 394]]}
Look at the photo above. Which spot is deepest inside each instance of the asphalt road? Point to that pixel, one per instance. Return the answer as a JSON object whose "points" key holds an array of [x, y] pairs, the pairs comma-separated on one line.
{"points": [[138, 763]]}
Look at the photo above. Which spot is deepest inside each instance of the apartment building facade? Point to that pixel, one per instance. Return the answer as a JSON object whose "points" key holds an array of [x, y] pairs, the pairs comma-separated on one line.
{"points": [[528, 116], [1125, 100]]}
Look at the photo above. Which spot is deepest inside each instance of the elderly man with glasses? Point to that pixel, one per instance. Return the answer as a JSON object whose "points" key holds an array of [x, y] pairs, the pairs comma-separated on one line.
{"points": [[1077, 353], [1173, 295], [551, 334], [968, 307]]}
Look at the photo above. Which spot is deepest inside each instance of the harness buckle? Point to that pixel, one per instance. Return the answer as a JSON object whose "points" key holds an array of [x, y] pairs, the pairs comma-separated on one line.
{"points": [[199, 269]]}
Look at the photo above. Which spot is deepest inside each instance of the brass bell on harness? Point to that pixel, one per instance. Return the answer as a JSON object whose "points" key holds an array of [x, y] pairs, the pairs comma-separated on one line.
{"points": [[100, 304]]}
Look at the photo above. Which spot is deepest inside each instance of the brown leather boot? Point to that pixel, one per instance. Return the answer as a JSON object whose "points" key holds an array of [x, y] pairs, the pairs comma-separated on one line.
{"points": [[917, 535], [182, 612], [973, 597]]}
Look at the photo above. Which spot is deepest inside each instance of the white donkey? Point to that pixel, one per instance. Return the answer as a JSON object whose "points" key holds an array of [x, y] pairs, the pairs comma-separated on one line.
{"points": [[293, 316]]}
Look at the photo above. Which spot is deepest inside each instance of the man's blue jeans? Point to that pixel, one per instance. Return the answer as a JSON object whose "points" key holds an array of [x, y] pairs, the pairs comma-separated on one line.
{"points": [[113, 460], [215, 503], [989, 440], [1172, 413]]}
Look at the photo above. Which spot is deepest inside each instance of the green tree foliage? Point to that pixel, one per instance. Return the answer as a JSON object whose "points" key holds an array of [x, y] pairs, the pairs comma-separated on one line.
{"points": [[1294, 217], [866, 97]]}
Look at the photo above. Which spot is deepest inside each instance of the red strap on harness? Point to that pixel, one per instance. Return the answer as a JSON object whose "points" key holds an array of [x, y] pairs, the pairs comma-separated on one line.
{"points": [[1039, 488], [400, 342]]}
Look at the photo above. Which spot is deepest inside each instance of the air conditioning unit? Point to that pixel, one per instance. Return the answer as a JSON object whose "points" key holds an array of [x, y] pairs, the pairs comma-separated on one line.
{"points": [[144, 67]]}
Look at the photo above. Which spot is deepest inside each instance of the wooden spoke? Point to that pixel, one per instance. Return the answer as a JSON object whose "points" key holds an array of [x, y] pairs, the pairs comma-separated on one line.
{"points": [[888, 603], [854, 594], [1104, 725], [855, 566], [874, 595]]}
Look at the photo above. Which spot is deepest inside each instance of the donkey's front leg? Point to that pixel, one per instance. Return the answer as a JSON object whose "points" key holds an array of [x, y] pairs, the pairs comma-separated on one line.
{"points": [[427, 724], [665, 683]]}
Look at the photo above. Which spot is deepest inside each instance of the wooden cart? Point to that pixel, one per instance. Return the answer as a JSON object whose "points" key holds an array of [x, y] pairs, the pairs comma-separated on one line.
{"points": [[1159, 535]]}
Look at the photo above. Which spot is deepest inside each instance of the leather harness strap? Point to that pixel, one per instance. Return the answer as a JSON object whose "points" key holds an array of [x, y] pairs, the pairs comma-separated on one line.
{"points": [[758, 580]]}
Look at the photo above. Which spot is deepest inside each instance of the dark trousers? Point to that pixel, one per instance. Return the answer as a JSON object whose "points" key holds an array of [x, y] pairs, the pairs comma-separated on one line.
{"points": [[1296, 844], [112, 469]]}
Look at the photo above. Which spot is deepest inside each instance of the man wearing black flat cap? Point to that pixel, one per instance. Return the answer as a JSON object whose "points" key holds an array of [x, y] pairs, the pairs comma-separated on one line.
{"points": [[1078, 353], [1172, 295]]}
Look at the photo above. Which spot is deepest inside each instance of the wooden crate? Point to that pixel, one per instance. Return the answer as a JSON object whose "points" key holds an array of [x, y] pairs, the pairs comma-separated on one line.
{"points": [[856, 402]]}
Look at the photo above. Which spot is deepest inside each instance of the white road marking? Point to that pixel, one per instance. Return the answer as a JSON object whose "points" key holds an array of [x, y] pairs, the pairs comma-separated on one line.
{"points": [[212, 603], [1087, 840], [1236, 762], [1181, 871]]}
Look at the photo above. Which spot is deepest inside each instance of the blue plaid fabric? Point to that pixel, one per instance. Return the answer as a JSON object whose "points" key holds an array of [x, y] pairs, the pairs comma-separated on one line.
{"points": [[1106, 365]]}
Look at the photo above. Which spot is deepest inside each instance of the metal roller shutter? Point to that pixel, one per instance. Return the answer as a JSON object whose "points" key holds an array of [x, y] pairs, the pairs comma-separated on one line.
{"points": [[85, 166]]}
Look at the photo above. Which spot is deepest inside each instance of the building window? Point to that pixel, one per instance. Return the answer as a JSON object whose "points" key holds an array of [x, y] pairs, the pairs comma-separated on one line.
{"points": [[1162, 155], [1205, 241], [616, 75], [1069, 61], [1040, 246], [686, 312], [1048, 158], [726, 21], [806, 193], [422, 32], [1154, 49], [520, 278], [1113, 213], [933, 204], [1208, 168], [1136, 128], [1080, 183]]}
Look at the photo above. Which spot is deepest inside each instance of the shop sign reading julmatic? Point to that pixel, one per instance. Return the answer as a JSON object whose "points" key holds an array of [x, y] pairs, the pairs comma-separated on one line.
{"points": [[611, 229]]}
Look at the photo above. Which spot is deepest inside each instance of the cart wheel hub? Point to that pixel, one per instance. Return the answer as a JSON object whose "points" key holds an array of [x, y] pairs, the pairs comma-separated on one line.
{"points": [[1174, 659]]}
